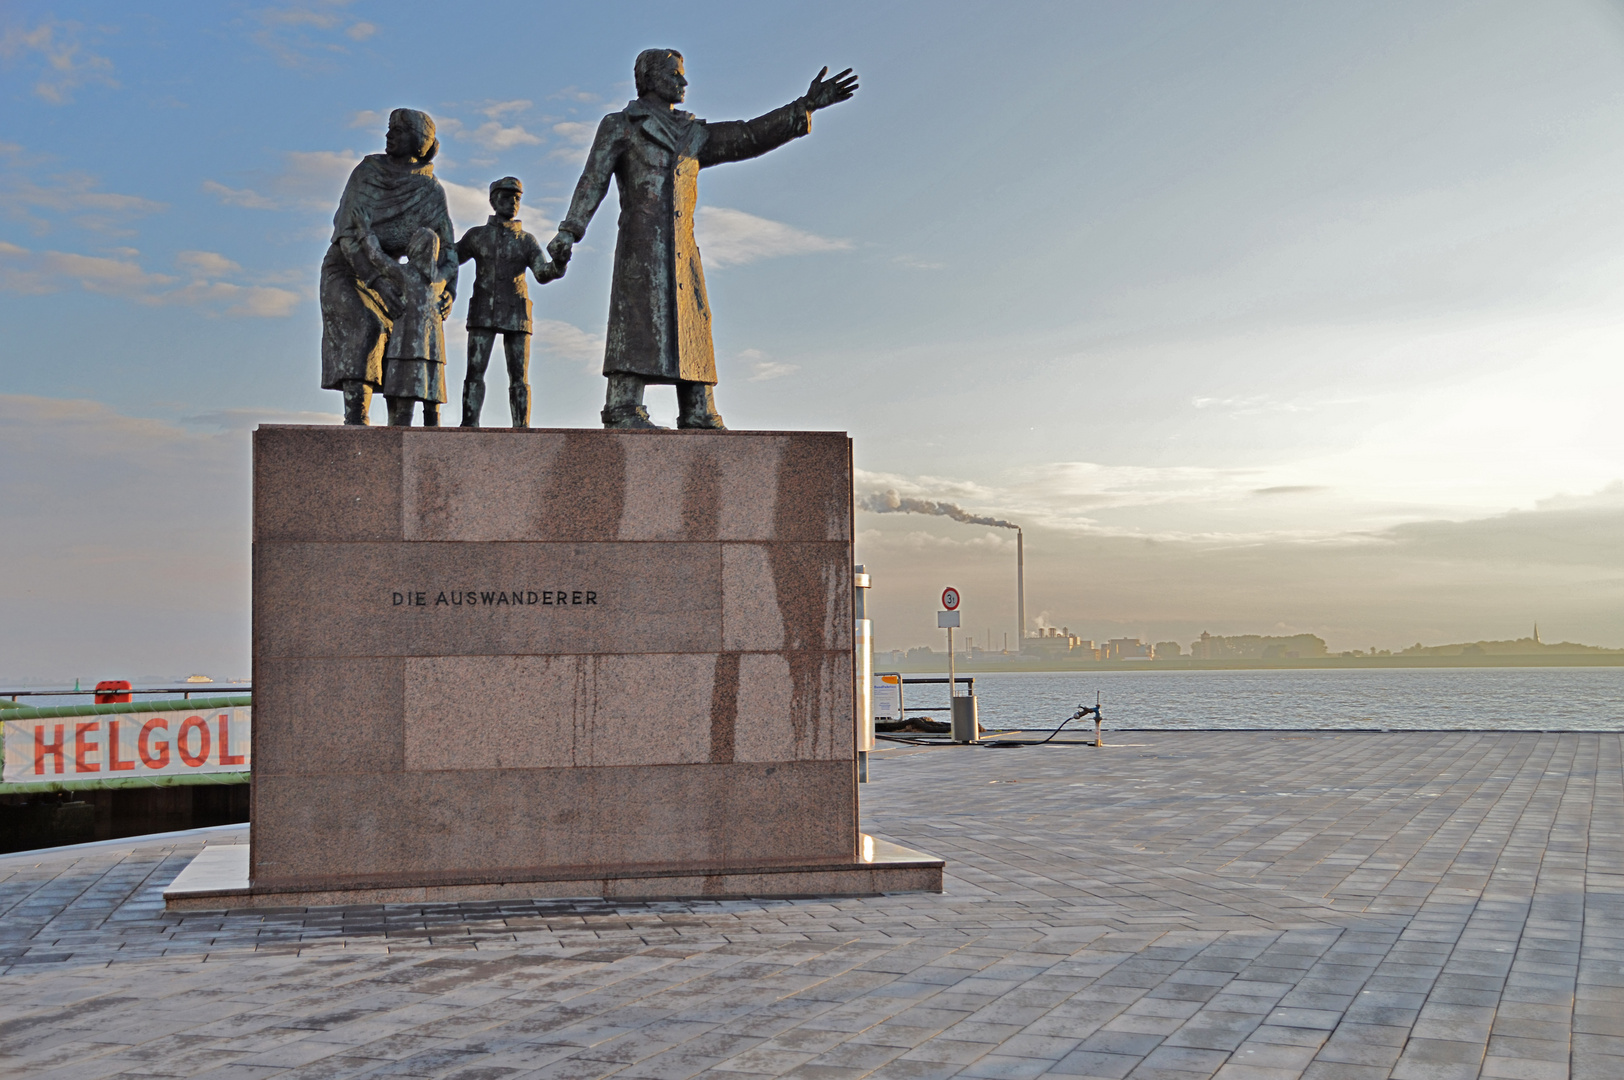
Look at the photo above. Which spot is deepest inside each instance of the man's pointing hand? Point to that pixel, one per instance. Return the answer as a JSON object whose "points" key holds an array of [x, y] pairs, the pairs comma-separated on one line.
{"points": [[826, 92]]}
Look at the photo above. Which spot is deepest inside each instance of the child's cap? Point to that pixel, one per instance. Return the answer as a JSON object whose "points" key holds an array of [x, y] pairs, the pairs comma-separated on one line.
{"points": [[507, 183]]}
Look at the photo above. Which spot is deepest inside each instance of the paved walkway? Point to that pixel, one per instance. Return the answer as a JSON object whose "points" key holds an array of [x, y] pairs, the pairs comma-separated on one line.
{"points": [[1249, 906]]}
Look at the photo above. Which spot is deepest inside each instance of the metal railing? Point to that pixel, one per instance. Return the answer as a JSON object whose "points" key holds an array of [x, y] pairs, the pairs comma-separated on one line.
{"points": [[213, 689], [902, 703]]}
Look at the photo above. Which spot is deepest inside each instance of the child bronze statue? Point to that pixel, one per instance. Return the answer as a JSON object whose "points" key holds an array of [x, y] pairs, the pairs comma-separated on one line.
{"points": [[502, 252], [414, 363]]}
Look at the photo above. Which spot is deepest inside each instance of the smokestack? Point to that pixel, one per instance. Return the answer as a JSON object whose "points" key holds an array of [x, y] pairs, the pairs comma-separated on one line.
{"points": [[1020, 587]]}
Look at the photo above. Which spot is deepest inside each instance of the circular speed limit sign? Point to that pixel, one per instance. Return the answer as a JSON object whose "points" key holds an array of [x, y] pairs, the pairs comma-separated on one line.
{"points": [[950, 599]]}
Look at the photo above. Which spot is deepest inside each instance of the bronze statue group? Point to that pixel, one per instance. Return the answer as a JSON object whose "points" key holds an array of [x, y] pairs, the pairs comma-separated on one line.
{"points": [[382, 317]]}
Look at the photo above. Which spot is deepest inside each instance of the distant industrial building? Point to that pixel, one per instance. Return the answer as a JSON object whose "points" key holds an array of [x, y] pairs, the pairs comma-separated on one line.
{"points": [[1256, 647], [1050, 642], [1123, 649]]}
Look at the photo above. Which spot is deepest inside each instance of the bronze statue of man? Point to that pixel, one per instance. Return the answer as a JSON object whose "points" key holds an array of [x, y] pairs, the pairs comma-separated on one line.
{"points": [[390, 196], [659, 315]]}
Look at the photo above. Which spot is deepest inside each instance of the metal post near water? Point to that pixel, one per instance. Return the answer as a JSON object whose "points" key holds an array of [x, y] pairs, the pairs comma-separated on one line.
{"points": [[961, 712], [947, 620], [863, 640]]}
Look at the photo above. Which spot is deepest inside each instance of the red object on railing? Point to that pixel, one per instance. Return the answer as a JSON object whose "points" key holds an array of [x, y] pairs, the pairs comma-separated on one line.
{"points": [[107, 691]]}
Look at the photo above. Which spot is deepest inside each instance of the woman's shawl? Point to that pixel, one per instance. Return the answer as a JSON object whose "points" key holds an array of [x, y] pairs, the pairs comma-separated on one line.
{"points": [[392, 201]]}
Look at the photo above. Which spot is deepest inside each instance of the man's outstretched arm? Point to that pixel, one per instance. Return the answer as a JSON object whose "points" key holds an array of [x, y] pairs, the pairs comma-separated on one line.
{"points": [[740, 140]]}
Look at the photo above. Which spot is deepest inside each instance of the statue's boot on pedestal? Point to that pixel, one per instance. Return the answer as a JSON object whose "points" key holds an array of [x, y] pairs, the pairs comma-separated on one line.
{"points": [[628, 416], [624, 405], [357, 399], [473, 401], [400, 411], [519, 404], [696, 407], [431, 414]]}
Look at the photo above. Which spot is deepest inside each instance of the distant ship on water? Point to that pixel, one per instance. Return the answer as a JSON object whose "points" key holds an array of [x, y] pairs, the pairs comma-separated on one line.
{"points": [[198, 678]]}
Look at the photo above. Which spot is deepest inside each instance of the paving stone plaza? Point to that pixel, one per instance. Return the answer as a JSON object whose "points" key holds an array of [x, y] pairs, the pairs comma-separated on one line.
{"points": [[1250, 906]]}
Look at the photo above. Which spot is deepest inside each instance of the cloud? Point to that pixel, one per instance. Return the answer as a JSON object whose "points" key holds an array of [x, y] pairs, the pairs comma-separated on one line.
{"points": [[115, 276], [250, 200], [735, 238], [574, 138], [43, 200], [575, 94], [569, 342], [74, 193], [497, 109], [308, 180], [307, 35], [121, 275], [315, 172], [371, 119], [493, 136], [468, 205], [67, 65], [1569, 533], [771, 369], [206, 289], [1150, 503], [253, 301], [763, 369], [248, 419], [1073, 486], [206, 263], [1258, 404]]}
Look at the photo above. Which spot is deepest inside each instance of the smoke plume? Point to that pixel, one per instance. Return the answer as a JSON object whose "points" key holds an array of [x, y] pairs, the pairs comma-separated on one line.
{"points": [[889, 502]]}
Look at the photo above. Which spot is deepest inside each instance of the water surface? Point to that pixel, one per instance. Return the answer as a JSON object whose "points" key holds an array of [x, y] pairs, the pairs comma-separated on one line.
{"points": [[1381, 699]]}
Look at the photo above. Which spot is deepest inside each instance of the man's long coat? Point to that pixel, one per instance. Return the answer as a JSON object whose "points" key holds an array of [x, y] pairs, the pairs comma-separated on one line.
{"points": [[659, 315]]}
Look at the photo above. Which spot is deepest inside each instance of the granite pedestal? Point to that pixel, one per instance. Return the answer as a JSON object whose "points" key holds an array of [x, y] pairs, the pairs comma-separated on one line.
{"points": [[496, 663]]}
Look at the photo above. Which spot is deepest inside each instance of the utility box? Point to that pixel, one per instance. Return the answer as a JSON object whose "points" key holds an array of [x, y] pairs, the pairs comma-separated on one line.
{"points": [[966, 719]]}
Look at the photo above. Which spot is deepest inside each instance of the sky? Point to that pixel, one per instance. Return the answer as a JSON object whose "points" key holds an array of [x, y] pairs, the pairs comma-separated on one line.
{"points": [[1257, 317]]}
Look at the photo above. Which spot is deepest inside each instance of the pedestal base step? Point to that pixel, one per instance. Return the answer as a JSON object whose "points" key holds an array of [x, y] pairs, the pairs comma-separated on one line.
{"points": [[217, 879]]}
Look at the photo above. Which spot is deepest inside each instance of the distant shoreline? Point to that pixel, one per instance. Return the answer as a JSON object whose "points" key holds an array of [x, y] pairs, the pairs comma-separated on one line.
{"points": [[1185, 663]]}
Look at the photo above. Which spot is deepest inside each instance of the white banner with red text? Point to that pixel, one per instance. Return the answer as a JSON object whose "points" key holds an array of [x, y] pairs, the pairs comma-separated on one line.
{"points": [[171, 743]]}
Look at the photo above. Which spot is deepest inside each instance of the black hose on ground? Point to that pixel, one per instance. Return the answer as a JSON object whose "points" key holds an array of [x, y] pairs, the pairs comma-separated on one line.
{"points": [[1082, 711]]}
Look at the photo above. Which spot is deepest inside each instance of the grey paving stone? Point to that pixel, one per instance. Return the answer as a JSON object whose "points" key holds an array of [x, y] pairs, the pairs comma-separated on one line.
{"points": [[1095, 1064], [1337, 926]]}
